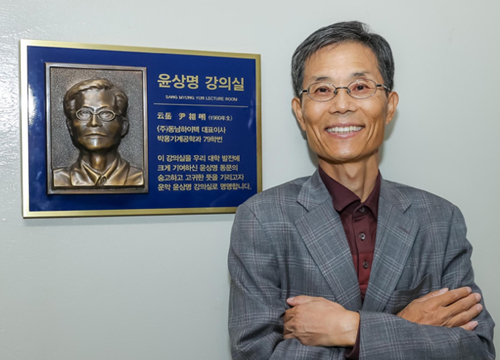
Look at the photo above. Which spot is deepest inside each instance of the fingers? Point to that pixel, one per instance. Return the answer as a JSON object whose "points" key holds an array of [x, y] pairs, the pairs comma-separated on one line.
{"points": [[453, 296], [465, 317], [471, 325], [433, 294], [288, 316], [289, 323], [464, 304], [298, 300], [290, 313], [460, 307]]}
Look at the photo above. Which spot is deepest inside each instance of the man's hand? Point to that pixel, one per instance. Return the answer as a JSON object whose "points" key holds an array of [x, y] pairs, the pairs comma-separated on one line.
{"points": [[316, 321], [450, 308]]}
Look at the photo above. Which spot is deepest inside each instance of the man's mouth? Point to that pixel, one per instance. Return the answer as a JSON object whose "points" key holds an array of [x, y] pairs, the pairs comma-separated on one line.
{"points": [[344, 129]]}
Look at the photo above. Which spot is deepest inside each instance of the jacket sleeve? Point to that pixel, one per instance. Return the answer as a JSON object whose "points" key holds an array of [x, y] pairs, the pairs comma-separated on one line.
{"points": [[257, 302], [386, 336]]}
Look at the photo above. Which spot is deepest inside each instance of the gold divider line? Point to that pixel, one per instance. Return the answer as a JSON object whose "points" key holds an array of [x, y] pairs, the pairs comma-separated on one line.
{"points": [[233, 106]]}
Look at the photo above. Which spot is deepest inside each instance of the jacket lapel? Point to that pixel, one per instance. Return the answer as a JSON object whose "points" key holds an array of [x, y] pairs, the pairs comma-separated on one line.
{"points": [[322, 232], [396, 233]]}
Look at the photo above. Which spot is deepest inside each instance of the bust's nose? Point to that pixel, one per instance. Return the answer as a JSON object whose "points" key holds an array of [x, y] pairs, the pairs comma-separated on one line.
{"points": [[94, 121]]}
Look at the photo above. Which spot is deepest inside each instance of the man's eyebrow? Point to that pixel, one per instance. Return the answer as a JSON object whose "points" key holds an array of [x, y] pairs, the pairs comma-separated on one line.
{"points": [[360, 74], [322, 78], [356, 74]]}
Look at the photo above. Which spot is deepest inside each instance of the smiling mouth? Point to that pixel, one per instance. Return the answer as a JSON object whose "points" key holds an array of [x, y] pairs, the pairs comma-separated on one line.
{"points": [[344, 129]]}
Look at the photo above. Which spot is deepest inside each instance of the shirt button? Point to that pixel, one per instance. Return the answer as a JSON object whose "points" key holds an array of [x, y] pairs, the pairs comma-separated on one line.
{"points": [[365, 264], [362, 209], [362, 236]]}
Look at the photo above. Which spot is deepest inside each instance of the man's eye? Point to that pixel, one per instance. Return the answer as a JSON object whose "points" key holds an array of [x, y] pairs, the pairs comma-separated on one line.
{"points": [[360, 88], [323, 89]]}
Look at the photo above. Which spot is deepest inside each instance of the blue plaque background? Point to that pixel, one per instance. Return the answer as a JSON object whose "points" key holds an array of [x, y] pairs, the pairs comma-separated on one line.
{"points": [[241, 137]]}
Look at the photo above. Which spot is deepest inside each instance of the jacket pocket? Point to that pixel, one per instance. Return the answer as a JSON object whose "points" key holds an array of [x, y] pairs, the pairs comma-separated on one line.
{"points": [[401, 298]]}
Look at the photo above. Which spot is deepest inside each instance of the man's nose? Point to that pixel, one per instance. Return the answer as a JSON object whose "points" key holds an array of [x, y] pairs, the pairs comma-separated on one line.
{"points": [[342, 102], [94, 121]]}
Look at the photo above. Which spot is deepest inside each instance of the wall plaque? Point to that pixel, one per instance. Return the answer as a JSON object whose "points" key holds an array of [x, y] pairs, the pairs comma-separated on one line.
{"points": [[111, 130]]}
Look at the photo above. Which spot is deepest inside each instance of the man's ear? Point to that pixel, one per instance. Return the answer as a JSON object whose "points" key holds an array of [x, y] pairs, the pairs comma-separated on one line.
{"points": [[297, 109], [124, 127], [393, 101]]}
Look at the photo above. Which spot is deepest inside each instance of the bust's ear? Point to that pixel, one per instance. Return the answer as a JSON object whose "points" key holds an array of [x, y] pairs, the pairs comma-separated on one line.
{"points": [[68, 125], [124, 127]]}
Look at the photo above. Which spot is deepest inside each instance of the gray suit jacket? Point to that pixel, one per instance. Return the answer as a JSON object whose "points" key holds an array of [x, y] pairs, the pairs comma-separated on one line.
{"points": [[289, 241]]}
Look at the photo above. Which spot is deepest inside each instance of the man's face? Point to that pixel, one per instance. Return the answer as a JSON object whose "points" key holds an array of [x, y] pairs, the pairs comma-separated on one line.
{"points": [[96, 135], [343, 129]]}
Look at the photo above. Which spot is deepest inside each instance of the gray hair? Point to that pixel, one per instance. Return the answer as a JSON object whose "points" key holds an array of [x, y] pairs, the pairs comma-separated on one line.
{"points": [[121, 100], [342, 32]]}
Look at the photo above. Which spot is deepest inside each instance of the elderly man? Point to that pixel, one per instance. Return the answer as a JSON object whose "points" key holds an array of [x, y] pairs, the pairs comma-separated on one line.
{"points": [[96, 117], [344, 263]]}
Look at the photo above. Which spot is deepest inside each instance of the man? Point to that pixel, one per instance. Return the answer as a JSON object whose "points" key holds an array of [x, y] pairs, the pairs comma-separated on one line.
{"points": [[96, 117], [344, 263]]}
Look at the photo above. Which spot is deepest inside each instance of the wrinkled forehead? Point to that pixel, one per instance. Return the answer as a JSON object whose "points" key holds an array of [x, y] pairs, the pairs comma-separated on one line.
{"points": [[95, 99], [352, 59]]}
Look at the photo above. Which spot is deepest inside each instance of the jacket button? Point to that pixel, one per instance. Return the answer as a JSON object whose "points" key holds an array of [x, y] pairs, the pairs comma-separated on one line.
{"points": [[365, 264]]}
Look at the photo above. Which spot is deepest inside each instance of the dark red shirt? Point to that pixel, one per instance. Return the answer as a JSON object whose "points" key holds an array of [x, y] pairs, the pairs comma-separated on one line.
{"points": [[360, 226]]}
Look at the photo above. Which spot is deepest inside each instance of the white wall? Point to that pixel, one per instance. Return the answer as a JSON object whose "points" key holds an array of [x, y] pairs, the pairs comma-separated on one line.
{"points": [[157, 287]]}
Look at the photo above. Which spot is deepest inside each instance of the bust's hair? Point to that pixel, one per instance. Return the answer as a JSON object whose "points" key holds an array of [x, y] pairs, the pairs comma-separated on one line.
{"points": [[343, 32], [121, 100]]}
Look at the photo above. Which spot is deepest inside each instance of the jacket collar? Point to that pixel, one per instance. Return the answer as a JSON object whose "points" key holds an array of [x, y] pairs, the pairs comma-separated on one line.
{"points": [[314, 192]]}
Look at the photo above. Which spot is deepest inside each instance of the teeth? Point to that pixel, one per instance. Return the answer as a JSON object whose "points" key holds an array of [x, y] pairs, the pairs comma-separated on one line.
{"points": [[343, 129]]}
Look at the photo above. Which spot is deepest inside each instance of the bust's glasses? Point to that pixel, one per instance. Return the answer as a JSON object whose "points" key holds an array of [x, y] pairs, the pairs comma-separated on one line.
{"points": [[358, 89], [103, 115]]}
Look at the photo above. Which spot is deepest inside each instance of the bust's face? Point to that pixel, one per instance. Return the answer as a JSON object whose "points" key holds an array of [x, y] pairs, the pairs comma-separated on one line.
{"points": [[96, 134]]}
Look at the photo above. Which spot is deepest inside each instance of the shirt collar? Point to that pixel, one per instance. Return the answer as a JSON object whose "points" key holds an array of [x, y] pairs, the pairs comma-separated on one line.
{"points": [[342, 197], [95, 176]]}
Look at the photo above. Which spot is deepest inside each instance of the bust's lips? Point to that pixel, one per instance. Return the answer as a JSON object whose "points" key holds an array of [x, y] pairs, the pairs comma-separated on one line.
{"points": [[95, 134]]}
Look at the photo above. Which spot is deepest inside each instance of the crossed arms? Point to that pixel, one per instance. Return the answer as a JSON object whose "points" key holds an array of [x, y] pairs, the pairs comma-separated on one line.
{"points": [[316, 321]]}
